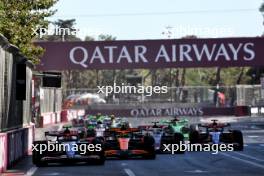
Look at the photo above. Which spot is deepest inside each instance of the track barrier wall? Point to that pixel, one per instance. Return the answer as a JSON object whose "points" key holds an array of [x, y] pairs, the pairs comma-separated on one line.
{"points": [[67, 115], [14, 145], [16, 127]]}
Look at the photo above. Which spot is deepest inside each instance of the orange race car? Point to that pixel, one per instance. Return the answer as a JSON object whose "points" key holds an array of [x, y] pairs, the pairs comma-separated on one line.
{"points": [[127, 142]]}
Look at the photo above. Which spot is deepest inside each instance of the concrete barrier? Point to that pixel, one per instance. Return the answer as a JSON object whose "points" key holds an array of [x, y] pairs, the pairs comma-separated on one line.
{"points": [[242, 111], [257, 111], [67, 114], [14, 145], [49, 118]]}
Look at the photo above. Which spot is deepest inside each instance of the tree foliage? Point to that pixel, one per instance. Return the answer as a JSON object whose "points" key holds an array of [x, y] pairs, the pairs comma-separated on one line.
{"points": [[20, 18], [64, 30], [255, 73]]}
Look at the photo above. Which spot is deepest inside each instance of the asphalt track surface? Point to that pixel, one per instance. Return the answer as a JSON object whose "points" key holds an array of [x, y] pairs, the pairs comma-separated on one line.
{"points": [[249, 162]]}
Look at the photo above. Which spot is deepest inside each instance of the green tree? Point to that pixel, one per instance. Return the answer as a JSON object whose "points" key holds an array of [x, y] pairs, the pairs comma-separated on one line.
{"points": [[106, 37], [255, 73], [261, 9], [20, 19], [64, 30], [89, 38]]}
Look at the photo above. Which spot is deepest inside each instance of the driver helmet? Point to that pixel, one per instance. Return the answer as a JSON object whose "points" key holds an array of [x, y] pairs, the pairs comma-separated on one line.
{"points": [[66, 131], [176, 118], [98, 115], [215, 129], [112, 117], [100, 124]]}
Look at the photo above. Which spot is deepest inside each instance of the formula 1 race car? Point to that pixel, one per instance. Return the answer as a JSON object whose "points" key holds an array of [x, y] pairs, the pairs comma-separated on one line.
{"points": [[128, 143], [154, 130], [163, 135], [92, 121], [217, 133], [177, 125], [66, 147]]}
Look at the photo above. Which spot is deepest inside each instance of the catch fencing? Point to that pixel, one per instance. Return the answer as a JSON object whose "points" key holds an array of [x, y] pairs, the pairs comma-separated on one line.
{"points": [[206, 96], [16, 129], [13, 113], [50, 100], [50, 106]]}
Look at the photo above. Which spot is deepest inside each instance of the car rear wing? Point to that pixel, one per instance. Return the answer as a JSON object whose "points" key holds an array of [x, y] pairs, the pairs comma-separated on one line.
{"points": [[60, 133], [145, 127], [120, 130], [211, 125]]}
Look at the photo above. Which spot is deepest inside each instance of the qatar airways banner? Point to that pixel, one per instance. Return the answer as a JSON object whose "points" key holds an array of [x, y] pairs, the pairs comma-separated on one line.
{"points": [[221, 52], [172, 111]]}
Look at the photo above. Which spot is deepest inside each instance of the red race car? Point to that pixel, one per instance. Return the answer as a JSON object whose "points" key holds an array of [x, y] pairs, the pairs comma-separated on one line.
{"points": [[216, 133]]}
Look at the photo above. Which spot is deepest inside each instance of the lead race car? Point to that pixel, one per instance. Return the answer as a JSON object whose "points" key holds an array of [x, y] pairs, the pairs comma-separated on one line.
{"points": [[166, 133], [177, 125], [67, 147], [154, 130], [126, 142], [217, 133]]}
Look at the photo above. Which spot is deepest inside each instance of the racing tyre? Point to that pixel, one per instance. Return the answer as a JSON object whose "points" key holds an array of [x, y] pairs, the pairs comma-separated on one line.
{"points": [[36, 155], [194, 137], [163, 141], [149, 143], [238, 139], [152, 154], [179, 138], [101, 160]]}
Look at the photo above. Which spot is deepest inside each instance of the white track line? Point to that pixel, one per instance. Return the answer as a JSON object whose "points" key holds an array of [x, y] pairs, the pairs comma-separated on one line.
{"points": [[243, 160], [129, 172], [253, 136], [31, 171], [250, 157]]}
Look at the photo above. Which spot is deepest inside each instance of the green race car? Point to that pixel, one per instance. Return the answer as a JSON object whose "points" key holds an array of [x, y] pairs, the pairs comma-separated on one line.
{"points": [[177, 125]]}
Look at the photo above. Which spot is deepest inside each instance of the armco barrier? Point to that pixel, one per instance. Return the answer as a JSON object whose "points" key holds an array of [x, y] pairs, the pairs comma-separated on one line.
{"points": [[14, 145], [3, 152], [31, 138]]}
